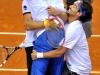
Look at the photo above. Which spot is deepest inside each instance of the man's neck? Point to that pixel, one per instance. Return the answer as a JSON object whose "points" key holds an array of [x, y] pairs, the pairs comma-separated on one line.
{"points": [[72, 18]]}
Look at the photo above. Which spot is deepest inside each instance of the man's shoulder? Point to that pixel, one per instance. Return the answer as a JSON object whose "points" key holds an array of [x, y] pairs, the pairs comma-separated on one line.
{"points": [[75, 24]]}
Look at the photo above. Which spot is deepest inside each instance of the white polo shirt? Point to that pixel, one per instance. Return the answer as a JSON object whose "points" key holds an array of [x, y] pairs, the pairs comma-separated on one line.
{"points": [[39, 12], [29, 37], [78, 59]]}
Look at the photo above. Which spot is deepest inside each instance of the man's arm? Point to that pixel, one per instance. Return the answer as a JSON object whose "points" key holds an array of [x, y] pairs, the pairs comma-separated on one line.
{"points": [[31, 24], [50, 54], [57, 12], [55, 53]]}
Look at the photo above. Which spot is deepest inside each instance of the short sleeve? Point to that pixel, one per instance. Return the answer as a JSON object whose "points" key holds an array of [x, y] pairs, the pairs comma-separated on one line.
{"points": [[25, 7], [72, 35]]}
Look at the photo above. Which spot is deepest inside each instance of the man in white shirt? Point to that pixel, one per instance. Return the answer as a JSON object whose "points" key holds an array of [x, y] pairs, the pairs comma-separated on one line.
{"points": [[29, 37], [86, 23], [75, 45], [31, 28], [35, 12]]}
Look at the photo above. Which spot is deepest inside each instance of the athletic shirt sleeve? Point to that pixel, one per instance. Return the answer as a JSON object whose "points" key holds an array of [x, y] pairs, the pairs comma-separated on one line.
{"points": [[25, 7], [72, 35]]}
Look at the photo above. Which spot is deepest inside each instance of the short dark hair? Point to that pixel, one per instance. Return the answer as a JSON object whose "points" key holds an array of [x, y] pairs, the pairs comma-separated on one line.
{"points": [[70, 2], [87, 11]]}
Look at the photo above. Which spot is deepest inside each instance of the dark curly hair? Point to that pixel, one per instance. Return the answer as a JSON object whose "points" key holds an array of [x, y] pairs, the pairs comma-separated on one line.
{"points": [[87, 11]]}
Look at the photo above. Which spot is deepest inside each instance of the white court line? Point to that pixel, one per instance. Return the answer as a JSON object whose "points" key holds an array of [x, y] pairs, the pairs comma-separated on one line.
{"points": [[16, 33], [11, 33], [95, 72], [13, 69], [24, 70], [95, 36]]}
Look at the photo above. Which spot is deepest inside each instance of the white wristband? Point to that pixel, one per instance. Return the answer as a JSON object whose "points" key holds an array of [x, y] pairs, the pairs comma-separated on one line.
{"points": [[40, 55]]}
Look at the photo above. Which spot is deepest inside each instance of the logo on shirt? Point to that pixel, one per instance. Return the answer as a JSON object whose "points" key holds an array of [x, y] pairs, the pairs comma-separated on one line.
{"points": [[25, 7]]}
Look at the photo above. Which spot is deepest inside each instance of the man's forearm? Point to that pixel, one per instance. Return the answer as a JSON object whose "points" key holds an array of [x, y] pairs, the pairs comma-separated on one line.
{"points": [[55, 53], [31, 24], [63, 16], [58, 12], [50, 54], [35, 25]]}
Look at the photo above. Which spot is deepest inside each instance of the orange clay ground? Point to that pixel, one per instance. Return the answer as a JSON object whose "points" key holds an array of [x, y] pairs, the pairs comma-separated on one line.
{"points": [[11, 20]]}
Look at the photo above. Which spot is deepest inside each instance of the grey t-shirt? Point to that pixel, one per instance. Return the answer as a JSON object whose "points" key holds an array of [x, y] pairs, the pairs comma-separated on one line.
{"points": [[87, 28]]}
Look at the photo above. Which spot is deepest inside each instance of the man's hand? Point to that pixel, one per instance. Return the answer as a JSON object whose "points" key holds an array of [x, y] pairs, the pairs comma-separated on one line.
{"points": [[51, 23], [53, 11], [34, 55]]}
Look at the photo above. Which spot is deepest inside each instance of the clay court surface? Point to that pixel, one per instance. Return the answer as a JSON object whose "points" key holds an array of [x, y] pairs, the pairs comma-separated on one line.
{"points": [[11, 20]]}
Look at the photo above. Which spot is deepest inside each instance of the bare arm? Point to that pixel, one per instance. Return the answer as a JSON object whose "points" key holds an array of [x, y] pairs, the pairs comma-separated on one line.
{"points": [[50, 54], [57, 12], [63, 15], [55, 53], [30, 24]]}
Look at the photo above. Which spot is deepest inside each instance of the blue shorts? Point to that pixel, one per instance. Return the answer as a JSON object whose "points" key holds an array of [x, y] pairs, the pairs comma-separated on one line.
{"points": [[39, 66]]}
